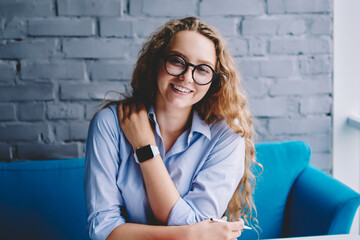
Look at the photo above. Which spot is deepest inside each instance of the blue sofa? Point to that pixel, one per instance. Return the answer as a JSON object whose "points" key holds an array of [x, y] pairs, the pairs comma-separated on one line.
{"points": [[45, 199]]}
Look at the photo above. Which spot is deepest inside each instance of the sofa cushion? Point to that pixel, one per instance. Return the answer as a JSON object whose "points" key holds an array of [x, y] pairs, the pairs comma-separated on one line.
{"points": [[282, 164], [42, 200]]}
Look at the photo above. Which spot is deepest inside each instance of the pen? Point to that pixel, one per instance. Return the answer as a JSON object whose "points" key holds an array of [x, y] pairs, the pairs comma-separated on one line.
{"points": [[220, 220]]}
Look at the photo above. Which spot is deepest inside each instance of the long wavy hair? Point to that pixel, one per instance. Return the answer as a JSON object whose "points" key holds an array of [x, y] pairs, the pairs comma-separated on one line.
{"points": [[225, 99]]}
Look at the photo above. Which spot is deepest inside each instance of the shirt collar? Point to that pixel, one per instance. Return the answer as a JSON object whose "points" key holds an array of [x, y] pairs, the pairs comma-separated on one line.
{"points": [[197, 124]]}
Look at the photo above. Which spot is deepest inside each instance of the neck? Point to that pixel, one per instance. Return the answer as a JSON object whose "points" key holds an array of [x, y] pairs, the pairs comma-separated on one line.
{"points": [[172, 121]]}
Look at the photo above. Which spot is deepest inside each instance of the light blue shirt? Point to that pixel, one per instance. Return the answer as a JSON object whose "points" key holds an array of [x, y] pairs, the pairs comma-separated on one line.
{"points": [[206, 164]]}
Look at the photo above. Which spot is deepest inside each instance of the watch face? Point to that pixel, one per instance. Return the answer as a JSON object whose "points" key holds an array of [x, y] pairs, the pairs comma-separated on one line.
{"points": [[144, 153]]}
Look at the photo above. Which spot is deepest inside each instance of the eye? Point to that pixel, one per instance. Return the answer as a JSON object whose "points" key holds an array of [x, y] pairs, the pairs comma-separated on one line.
{"points": [[203, 69], [176, 61]]}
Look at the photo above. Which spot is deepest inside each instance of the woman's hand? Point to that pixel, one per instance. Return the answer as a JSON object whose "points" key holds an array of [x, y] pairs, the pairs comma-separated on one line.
{"points": [[209, 230], [135, 124]]}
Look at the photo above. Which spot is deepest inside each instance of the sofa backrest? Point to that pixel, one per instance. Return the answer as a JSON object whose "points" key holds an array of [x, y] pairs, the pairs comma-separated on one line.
{"points": [[282, 164], [45, 199], [42, 200]]}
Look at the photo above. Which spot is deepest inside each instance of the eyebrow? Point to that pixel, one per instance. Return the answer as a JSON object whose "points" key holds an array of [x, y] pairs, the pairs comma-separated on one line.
{"points": [[201, 61]]}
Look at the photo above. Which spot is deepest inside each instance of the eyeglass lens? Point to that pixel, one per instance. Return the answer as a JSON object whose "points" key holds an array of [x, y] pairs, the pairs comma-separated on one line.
{"points": [[176, 65]]}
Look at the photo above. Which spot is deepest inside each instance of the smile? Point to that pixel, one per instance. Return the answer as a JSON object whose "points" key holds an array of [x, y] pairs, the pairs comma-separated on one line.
{"points": [[180, 89]]}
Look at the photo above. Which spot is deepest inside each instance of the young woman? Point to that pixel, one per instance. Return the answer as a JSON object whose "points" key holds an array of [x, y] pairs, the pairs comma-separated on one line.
{"points": [[178, 151]]}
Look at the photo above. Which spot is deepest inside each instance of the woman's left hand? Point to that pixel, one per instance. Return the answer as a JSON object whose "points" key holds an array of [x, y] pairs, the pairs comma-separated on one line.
{"points": [[135, 124]]}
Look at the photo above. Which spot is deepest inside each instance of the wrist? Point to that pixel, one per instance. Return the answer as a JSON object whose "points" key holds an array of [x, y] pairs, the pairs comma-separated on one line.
{"points": [[184, 232], [146, 153], [143, 144], [189, 232]]}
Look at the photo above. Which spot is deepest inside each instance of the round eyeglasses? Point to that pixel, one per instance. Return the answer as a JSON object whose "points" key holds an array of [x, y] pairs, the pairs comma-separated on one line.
{"points": [[202, 74]]}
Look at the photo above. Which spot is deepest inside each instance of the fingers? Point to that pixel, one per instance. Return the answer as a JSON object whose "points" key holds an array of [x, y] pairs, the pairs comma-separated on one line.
{"points": [[126, 109], [235, 234], [120, 111]]}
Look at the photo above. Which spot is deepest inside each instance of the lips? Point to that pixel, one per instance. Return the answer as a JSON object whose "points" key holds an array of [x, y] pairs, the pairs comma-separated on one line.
{"points": [[180, 89]]}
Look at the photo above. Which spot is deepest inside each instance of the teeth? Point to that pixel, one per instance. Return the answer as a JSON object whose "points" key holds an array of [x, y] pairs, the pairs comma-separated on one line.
{"points": [[181, 89]]}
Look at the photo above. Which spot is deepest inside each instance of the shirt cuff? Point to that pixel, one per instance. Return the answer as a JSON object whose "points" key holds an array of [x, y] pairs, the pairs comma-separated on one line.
{"points": [[181, 214], [101, 231]]}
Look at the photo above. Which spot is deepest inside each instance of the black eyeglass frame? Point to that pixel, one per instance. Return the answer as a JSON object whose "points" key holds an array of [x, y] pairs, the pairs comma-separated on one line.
{"points": [[187, 64]]}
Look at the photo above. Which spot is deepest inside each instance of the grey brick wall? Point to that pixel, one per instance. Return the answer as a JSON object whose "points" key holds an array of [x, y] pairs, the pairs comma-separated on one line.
{"points": [[58, 58]]}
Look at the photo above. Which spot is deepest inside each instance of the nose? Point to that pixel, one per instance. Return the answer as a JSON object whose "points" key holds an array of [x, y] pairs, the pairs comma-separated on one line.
{"points": [[187, 76]]}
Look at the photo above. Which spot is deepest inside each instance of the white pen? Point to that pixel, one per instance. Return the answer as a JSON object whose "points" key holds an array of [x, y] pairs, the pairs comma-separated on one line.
{"points": [[220, 220]]}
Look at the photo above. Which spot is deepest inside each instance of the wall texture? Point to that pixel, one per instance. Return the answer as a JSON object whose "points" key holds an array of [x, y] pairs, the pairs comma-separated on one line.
{"points": [[58, 58]]}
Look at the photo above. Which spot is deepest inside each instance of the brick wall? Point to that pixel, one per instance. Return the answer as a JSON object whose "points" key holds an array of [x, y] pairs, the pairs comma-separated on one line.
{"points": [[58, 58]]}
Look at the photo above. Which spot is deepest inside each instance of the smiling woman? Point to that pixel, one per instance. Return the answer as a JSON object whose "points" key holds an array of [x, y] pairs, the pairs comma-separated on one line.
{"points": [[177, 152]]}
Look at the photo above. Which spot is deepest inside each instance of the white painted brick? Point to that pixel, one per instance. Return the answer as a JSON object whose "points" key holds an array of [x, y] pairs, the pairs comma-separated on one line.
{"points": [[163, 8], [26, 8], [94, 91], [96, 48], [321, 25], [318, 105], [291, 26], [91, 108], [256, 87], [57, 69], [56, 111], [38, 48], [111, 70], [315, 65], [319, 143], [32, 111], [302, 87], [116, 27], [300, 126], [300, 46], [321, 161], [90, 7], [25, 151], [226, 26], [260, 127], [249, 67], [229, 7], [7, 71], [143, 27], [238, 47], [278, 67], [40, 91], [7, 112], [275, 6], [24, 132], [273, 26], [257, 47], [5, 152], [71, 131], [307, 6], [12, 28], [62, 27], [269, 107], [259, 26]]}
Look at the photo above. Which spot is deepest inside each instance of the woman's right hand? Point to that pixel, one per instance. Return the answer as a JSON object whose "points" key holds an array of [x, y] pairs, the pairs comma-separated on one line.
{"points": [[209, 230]]}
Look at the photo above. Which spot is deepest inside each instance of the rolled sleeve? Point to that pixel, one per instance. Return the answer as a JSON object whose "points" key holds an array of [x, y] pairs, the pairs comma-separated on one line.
{"points": [[181, 214], [214, 185], [103, 198]]}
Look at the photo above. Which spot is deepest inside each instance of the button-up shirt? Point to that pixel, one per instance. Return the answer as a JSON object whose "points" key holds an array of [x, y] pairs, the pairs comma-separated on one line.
{"points": [[205, 163]]}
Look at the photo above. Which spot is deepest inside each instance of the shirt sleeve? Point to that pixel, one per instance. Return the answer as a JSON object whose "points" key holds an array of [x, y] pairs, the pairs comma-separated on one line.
{"points": [[103, 198], [214, 185]]}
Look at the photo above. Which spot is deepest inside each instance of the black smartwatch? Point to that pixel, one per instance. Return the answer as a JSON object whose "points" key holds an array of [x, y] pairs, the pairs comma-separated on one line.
{"points": [[145, 153]]}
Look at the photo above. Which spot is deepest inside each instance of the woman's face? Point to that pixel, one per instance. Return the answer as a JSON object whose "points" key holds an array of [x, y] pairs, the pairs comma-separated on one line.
{"points": [[181, 91]]}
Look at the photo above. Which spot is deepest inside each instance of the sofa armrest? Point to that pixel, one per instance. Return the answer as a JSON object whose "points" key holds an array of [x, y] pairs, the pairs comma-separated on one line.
{"points": [[319, 205]]}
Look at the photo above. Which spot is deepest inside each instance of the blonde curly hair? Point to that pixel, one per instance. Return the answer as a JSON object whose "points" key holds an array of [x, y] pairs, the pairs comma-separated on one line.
{"points": [[222, 101]]}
